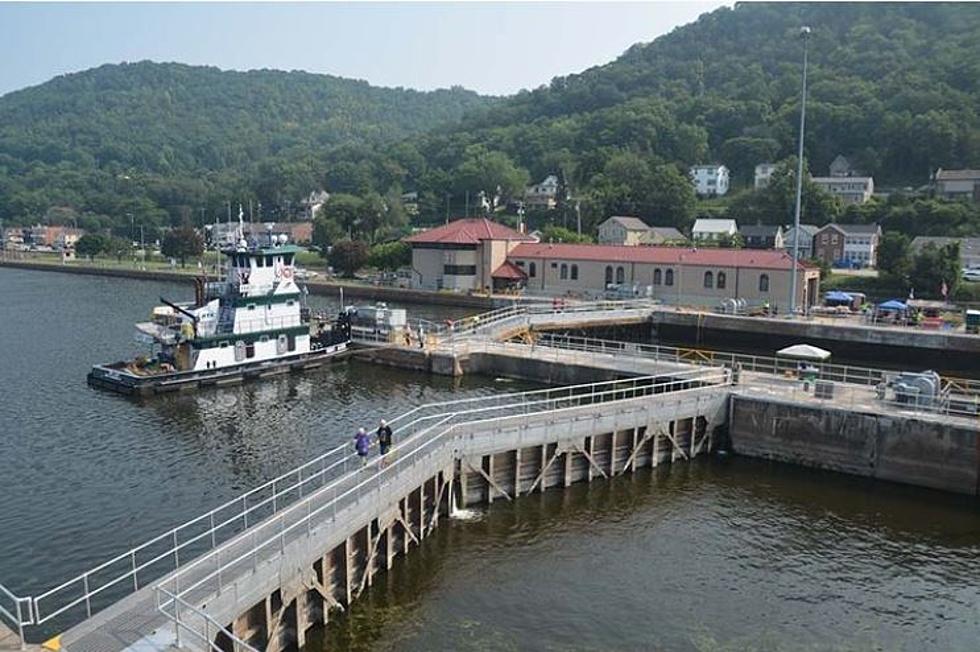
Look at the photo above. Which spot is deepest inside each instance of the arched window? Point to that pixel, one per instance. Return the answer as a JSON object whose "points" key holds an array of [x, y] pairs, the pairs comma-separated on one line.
{"points": [[620, 275], [669, 277], [764, 283], [709, 280], [608, 274], [532, 270], [574, 272], [656, 276], [564, 271], [721, 281]]}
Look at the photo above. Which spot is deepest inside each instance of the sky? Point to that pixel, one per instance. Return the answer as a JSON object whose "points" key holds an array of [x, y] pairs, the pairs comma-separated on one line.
{"points": [[492, 48]]}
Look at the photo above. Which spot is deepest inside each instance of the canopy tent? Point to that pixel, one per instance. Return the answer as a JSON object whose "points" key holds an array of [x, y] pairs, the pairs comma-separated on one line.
{"points": [[893, 304], [837, 295], [804, 352]]}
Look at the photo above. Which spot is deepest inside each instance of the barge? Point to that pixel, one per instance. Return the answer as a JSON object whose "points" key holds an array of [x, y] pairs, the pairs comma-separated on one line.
{"points": [[253, 324]]}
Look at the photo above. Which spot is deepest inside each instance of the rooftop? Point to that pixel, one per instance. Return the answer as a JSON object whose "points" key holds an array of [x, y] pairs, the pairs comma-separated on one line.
{"points": [[957, 175], [760, 230], [629, 223], [704, 224], [469, 230], [855, 229], [751, 258]]}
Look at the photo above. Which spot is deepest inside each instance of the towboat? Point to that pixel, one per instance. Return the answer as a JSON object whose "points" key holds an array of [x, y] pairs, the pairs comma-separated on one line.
{"points": [[253, 324]]}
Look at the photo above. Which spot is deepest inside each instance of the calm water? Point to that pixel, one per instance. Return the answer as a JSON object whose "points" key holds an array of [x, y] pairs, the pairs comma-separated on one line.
{"points": [[720, 554]]}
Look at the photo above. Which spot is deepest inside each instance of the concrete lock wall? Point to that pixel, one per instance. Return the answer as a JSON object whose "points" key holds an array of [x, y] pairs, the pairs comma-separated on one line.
{"points": [[917, 451]]}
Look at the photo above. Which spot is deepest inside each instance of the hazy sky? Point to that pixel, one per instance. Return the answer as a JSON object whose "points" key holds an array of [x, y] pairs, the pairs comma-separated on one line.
{"points": [[494, 48]]}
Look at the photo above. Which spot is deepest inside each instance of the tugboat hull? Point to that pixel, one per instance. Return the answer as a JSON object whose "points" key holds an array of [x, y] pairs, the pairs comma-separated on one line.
{"points": [[115, 377]]}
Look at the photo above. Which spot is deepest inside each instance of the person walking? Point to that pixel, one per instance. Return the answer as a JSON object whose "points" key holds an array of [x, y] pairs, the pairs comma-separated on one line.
{"points": [[421, 336], [384, 439], [362, 444]]}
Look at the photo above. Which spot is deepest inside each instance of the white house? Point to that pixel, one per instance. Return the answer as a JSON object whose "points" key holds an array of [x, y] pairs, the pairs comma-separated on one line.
{"points": [[312, 203], [710, 180], [542, 196], [958, 184], [763, 173], [713, 229], [851, 190]]}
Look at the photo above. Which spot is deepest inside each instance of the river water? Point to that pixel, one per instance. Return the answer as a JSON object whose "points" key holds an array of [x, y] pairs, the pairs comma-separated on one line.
{"points": [[718, 554]]}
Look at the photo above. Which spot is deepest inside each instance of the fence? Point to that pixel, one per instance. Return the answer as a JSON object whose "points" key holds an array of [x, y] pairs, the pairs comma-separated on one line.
{"points": [[210, 625]]}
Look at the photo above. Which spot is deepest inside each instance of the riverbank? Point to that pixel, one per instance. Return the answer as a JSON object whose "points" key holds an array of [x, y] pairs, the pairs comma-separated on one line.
{"points": [[319, 287]]}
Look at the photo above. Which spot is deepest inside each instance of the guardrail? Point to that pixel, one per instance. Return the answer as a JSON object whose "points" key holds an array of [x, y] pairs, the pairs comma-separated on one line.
{"points": [[17, 611], [431, 439], [174, 549], [210, 625]]}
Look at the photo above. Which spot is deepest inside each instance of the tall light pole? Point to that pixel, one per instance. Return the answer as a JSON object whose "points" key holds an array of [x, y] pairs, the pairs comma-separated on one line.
{"points": [[805, 35]]}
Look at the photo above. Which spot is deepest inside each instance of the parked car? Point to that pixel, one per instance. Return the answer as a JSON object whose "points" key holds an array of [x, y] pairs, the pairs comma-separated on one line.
{"points": [[972, 275]]}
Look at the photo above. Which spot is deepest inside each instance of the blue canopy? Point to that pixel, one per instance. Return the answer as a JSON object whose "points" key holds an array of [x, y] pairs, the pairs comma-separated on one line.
{"points": [[893, 304], [838, 296]]}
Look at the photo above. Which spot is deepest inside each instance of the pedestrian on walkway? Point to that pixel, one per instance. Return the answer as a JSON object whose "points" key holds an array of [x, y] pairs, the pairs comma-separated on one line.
{"points": [[421, 337], [362, 444], [384, 439]]}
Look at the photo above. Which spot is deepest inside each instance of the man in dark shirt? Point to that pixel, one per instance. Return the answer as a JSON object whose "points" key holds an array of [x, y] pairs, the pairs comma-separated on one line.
{"points": [[384, 437]]}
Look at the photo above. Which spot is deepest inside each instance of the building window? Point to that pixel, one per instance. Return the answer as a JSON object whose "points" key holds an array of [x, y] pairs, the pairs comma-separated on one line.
{"points": [[574, 272], [532, 270], [291, 342], [520, 263], [250, 350], [656, 276], [709, 280], [721, 281], [620, 275], [564, 271], [764, 283], [609, 274], [554, 265], [669, 277], [459, 270]]}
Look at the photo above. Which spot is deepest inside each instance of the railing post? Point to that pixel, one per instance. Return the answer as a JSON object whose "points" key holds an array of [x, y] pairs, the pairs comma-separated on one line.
{"points": [[212, 529], [245, 510], [136, 586], [20, 625], [88, 600], [177, 622]]}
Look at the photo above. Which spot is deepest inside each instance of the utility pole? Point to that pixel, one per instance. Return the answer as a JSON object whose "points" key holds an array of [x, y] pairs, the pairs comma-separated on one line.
{"points": [[466, 213], [447, 208], [805, 35]]}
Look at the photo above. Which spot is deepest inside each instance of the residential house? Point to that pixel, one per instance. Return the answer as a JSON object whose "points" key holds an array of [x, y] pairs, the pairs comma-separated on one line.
{"points": [[674, 275], [710, 180], [841, 167], [763, 173], [713, 229], [761, 236], [542, 196], [13, 238], [55, 237], [969, 247], [958, 184], [807, 231], [464, 255], [848, 245], [623, 230], [410, 201], [633, 231], [851, 190]]}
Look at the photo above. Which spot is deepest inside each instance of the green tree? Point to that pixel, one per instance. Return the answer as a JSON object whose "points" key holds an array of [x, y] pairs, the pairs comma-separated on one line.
{"points": [[552, 233], [348, 256], [91, 245], [894, 256], [390, 256], [492, 173], [934, 266], [182, 243]]}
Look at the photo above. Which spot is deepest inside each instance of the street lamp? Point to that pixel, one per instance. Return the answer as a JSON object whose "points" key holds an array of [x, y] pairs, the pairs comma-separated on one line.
{"points": [[805, 35]]}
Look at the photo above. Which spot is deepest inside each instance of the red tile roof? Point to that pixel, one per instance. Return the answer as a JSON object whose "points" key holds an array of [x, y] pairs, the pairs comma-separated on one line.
{"points": [[752, 258], [510, 272], [469, 230]]}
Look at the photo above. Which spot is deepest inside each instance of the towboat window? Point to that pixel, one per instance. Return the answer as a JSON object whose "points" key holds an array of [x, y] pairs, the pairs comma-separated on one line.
{"points": [[288, 260], [223, 345], [264, 338], [258, 262], [250, 350], [289, 303], [268, 261], [721, 280], [291, 343], [669, 277], [251, 306]]}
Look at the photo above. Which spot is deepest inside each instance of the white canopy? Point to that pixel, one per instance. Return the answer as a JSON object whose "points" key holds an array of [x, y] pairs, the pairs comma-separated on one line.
{"points": [[804, 352]]}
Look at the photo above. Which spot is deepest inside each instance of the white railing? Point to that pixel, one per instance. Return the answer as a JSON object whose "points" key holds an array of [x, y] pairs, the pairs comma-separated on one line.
{"points": [[210, 626], [172, 550], [430, 435]]}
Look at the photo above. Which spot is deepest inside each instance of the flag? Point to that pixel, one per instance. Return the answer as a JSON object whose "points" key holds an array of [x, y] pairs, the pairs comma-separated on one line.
{"points": [[943, 290]]}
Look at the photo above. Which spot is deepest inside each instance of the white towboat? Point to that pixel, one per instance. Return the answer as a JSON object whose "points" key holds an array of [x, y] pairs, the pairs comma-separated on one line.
{"points": [[252, 324]]}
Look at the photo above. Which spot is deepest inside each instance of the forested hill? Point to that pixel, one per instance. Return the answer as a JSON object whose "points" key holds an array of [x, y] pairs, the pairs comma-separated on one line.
{"points": [[62, 142], [895, 87]]}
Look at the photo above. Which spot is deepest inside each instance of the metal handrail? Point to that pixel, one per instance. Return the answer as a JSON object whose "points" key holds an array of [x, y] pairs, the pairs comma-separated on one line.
{"points": [[209, 623], [16, 617], [637, 387]]}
